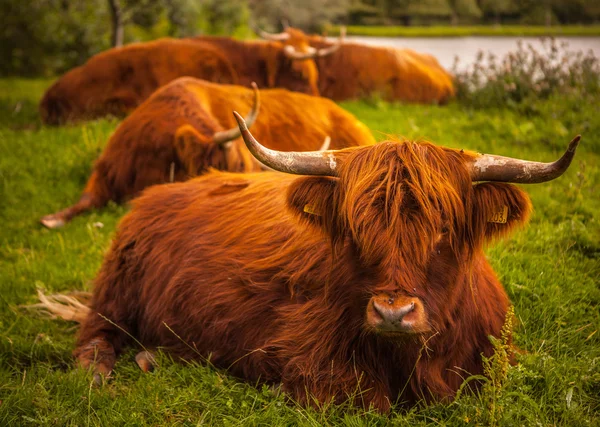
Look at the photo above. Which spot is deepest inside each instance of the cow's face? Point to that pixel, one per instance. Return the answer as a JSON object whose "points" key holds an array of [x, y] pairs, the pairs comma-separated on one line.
{"points": [[298, 75], [297, 67], [57, 105], [416, 223], [197, 152]]}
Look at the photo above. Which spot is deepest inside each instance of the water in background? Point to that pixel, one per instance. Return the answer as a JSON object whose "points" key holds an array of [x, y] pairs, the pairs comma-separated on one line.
{"points": [[446, 48]]}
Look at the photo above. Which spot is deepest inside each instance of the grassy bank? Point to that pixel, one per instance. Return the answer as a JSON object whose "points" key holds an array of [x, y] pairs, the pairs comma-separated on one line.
{"points": [[550, 270], [471, 30]]}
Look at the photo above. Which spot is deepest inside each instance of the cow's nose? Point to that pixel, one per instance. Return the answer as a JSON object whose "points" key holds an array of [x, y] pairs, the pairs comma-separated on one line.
{"points": [[391, 314], [397, 313]]}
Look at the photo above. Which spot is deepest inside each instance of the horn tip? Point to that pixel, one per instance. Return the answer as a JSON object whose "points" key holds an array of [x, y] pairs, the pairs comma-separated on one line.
{"points": [[574, 143], [254, 85], [240, 120]]}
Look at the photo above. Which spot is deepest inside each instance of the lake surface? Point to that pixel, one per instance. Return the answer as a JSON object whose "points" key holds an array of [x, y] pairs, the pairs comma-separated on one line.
{"points": [[445, 49]]}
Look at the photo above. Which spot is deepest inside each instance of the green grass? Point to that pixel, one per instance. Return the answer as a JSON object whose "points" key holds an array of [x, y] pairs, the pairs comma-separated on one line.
{"points": [[550, 270], [469, 30]]}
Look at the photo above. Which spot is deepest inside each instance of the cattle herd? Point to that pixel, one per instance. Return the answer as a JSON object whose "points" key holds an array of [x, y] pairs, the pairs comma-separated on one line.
{"points": [[363, 279]]}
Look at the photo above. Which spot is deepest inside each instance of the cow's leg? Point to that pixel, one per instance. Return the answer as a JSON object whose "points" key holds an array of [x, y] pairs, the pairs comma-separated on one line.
{"points": [[59, 219], [98, 345], [98, 353], [91, 198]]}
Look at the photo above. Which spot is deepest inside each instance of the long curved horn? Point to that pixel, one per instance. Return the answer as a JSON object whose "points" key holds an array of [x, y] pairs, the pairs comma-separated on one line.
{"points": [[225, 136], [329, 50], [278, 37], [322, 163], [488, 167], [292, 53], [311, 52], [324, 147]]}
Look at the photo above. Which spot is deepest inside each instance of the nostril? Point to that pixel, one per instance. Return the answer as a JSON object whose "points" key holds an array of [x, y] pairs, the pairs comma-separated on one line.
{"points": [[379, 310], [403, 311], [391, 314]]}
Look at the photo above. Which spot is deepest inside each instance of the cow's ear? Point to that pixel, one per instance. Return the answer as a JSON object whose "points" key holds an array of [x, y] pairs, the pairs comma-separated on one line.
{"points": [[498, 208], [187, 142], [313, 200]]}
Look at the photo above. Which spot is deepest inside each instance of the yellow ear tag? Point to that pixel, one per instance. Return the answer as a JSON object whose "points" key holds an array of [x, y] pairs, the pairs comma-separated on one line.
{"points": [[310, 209], [501, 216]]}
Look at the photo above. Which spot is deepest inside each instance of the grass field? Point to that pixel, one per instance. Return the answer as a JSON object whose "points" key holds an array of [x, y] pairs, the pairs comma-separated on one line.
{"points": [[550, 270], [470, 30]]}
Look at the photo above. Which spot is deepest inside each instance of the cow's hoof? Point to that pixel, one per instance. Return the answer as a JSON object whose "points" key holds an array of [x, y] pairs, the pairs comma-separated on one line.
{"points": [[146, 361], [52, 221], [100, 378]]}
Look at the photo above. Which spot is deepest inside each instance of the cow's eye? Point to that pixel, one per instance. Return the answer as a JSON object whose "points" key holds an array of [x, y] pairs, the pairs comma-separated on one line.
{"points": [[445, 229]]}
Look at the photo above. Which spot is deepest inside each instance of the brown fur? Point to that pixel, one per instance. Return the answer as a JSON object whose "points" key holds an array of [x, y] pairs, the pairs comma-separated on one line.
{"points": [[119, 79], [274, 294], [357, 70], [174, 128]]}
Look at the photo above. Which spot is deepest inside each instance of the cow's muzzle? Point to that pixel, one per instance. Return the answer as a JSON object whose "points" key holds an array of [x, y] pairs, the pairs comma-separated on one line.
{"points": [[397, 314], [54, 111]]}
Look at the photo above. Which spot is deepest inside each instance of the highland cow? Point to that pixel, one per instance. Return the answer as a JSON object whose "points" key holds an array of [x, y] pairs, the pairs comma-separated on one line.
{"points": [[365, 281], [357, 71], [179, 133], [119, 79]]}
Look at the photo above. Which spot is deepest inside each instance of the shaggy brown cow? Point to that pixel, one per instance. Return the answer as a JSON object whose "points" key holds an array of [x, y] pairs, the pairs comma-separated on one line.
{"points": [[369, 283], [179, 132], [357, 70], [119, 79]]}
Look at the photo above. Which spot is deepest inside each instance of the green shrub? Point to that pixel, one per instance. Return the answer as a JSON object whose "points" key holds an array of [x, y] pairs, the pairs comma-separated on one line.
{"points": [[524, 77]]}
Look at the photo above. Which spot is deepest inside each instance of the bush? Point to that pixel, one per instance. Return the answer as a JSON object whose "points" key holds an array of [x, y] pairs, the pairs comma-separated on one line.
{"points": [[49, 37], [40, 38], [523, 77]]}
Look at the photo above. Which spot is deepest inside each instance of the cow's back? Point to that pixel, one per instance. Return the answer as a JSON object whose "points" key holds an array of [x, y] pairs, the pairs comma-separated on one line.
{"points": [[265, 63], [119, 79], [357, 70], [142, 149], [287, 121]]}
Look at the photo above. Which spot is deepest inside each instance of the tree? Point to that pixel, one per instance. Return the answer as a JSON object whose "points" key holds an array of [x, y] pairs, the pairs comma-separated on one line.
{"points": [[428, 8], [45, 37], [183, 16], [361, 12], [592, 9], [409, 9], [464, 9], [223, 17], [497, 8], [309, 15], [141, 13], [116, 17]]}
